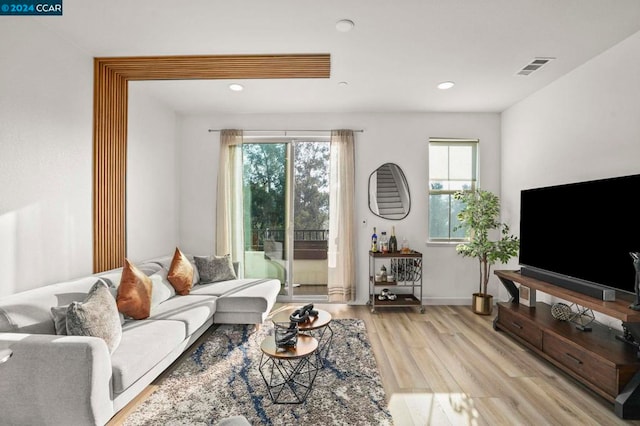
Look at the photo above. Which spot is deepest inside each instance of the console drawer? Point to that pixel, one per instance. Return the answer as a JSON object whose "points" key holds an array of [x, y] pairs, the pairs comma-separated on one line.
{"points": [[582, 362], [520, 326]]}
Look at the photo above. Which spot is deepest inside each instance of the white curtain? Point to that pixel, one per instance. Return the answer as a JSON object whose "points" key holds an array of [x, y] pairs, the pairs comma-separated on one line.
{"points": [[229, 217], [341, 248]]}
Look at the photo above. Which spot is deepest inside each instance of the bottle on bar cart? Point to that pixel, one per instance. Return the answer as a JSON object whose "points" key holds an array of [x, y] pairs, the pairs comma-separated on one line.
{"points": [[393, 242], [384, 242], [374, 241]]}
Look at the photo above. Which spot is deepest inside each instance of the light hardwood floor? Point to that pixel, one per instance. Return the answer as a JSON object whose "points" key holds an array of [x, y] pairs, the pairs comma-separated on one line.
{"points": [[449, 367]]}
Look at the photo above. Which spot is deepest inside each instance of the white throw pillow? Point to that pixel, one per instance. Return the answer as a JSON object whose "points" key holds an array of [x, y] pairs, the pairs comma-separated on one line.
{"points": [[161, 289]]}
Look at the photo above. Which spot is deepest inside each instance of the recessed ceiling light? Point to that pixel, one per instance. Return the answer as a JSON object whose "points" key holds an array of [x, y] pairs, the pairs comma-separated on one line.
{"points": [[236, 87], [344, 25], [446, 85], [343, 84]]}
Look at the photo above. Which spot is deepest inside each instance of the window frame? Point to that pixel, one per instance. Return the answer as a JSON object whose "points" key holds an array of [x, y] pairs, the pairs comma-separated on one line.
{"points": [[475, 183]]}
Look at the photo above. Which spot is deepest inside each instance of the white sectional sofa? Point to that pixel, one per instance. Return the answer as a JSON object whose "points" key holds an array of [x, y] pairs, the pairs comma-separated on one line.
{"points": [[51, 379]]}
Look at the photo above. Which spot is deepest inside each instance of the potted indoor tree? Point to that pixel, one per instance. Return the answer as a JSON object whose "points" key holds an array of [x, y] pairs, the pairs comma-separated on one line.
{"points": [[480, 217]]}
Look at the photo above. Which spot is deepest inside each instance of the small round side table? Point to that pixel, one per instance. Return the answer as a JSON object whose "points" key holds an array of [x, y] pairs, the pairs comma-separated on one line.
{"points": [[289, 373], [318, 327]]}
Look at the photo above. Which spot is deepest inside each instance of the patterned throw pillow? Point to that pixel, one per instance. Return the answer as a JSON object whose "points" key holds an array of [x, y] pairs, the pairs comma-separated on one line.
{"points": [[134, 292], [96, 316], [181, 273], [59, 313], [215, 268]]}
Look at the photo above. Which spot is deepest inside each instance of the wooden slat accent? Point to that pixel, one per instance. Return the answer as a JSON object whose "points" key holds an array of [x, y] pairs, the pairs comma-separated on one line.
{"points": [[109, 166], [111, 77], [220, 67]]}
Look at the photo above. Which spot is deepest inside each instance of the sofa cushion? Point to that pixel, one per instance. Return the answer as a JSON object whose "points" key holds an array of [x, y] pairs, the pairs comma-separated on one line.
{"points": [[244, 295], [161, 288], [215, 268], [257, 298], [96, 316], [144, 344], [192, 311], [222, 288], [30, 311], [134, 292], [181, 273]]}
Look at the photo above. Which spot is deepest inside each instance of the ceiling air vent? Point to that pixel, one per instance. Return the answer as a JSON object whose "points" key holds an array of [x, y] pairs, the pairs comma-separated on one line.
{"points": [[534, 65]]}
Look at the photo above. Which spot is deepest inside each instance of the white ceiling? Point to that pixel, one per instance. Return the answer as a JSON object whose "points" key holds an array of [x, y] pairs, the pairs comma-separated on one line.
{"points": [[392, 59]]}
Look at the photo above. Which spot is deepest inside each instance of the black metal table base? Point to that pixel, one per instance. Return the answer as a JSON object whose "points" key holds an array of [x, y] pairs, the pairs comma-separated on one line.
{"points": [[324, 344], [289, 381]]}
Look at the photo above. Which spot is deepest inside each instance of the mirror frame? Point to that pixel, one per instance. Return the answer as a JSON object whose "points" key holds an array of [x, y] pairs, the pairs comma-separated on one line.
{"points": [[406, 184]]}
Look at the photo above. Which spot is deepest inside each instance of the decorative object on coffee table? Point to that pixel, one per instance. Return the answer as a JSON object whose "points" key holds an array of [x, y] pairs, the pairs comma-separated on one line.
{"points": [[286, 335], [302, 314]]}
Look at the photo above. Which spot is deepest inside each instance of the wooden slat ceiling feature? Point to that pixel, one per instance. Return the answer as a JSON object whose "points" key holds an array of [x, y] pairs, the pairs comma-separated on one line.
{"points": [[220, 67], [111, 77]]}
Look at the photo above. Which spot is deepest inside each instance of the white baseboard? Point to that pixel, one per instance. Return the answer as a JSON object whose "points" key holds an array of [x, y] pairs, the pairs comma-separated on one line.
{"points": [[446, 301]]}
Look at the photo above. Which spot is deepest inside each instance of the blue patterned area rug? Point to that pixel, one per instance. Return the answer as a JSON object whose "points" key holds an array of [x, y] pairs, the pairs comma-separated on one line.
{"points": [[220, 378]]}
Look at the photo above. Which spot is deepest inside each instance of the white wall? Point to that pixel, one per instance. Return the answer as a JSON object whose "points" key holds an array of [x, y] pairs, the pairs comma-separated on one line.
{"points": [[46, 92], [152, 178], [397, 138], [46, 140], [583, 126]]}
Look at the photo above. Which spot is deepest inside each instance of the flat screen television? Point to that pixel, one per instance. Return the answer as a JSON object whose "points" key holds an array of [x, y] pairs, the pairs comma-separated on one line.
{"points": [[579, 235]]}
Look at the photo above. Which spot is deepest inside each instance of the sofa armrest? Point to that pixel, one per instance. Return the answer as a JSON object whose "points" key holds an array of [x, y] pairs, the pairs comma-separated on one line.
{"points": [[54, 380], [5, 354]]}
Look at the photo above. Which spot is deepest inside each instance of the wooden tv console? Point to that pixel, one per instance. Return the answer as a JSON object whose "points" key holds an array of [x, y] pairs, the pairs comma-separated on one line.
{"points": [[598, 359]]}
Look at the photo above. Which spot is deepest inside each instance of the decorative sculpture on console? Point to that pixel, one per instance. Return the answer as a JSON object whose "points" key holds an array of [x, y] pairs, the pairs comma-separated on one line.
{"points": [[636, 264]]}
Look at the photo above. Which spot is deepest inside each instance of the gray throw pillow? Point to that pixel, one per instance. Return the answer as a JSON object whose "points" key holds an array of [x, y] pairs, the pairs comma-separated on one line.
{"points": [[59, 313], [60, 319], [96, 316], [215, 268]]}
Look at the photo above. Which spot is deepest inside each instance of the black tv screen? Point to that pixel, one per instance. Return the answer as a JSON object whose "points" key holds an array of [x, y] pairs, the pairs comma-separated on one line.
{"points": [[583, 231]]}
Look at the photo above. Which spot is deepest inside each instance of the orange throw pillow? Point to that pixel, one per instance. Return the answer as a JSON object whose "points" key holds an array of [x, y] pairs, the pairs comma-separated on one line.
{"points": [[181, 273], [134, 292]]}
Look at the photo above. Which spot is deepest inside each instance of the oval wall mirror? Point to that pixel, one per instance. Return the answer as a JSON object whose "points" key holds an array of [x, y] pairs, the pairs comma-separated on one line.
{"points": [[389, 196]]}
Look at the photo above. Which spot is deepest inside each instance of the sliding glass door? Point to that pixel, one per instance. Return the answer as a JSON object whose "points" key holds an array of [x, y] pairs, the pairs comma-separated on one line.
{"points": [[286, 214]]}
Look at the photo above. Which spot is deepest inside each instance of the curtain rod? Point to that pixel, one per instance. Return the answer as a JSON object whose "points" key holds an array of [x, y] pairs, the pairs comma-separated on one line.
{"points": [[285, 131]]}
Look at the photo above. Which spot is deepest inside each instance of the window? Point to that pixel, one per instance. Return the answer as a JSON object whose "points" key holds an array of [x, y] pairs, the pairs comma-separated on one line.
{"points": [[286, 181], [453, 166]]}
